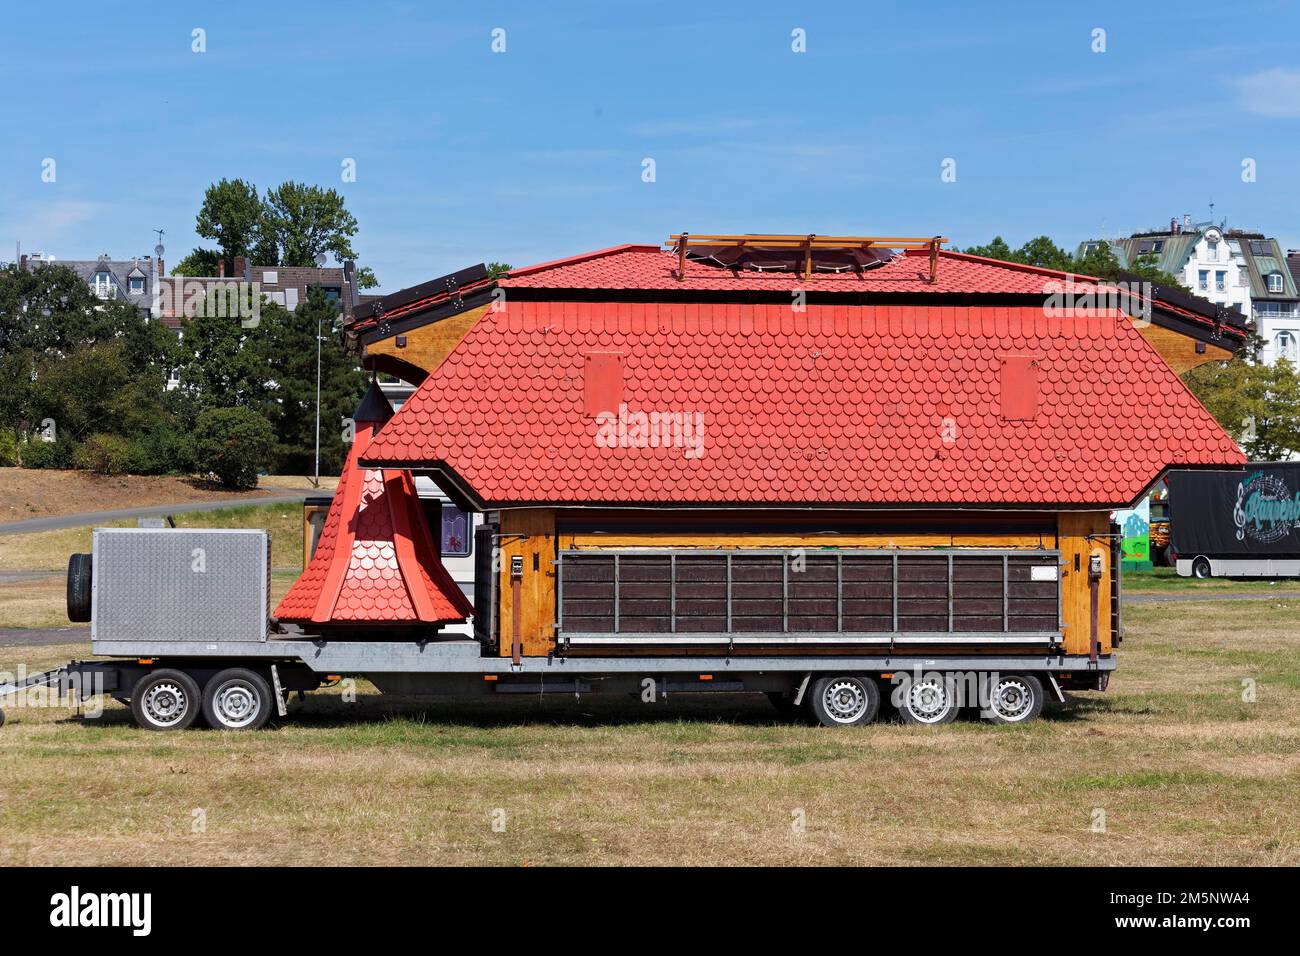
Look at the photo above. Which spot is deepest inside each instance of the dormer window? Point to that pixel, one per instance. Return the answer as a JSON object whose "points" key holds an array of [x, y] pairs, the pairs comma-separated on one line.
{"points": [[103, 285], [137, 285], [1275, 282]]}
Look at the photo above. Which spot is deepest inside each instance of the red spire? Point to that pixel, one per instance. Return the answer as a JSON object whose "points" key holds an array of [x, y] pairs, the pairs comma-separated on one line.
{"points": [[375, 561]]}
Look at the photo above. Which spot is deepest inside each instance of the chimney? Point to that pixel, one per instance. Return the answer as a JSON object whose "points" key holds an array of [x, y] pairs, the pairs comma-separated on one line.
{"points": [[1173, 225], [221, 268], [1187, 220], [241, 267]]}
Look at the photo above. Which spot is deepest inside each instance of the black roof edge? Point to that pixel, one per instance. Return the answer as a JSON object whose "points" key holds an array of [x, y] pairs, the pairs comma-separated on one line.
{"points": [[1180, 297], [448, 283], [442, 310]]}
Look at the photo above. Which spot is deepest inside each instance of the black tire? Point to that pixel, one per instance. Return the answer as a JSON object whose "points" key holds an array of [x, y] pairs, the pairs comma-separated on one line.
{"points": [[1201, 568], [237, 699], [843, 700], [929, 702], [79, 568], [1014, 699], [165, 699]]}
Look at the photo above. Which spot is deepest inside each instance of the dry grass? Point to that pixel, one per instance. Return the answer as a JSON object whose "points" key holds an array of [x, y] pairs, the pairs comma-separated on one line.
{"points": [[49, 550], [27, 493], [1186, 772]]}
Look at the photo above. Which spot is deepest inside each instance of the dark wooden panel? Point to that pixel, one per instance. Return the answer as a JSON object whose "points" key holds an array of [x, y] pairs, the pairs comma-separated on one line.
{"points": [[643, 625], [927, 623], [592, 589], [858, 567], [747, 622], [881, 589], [589, 569], [975, 622], [868, 622], [1030, 623], [813, 623], [580, 624]]}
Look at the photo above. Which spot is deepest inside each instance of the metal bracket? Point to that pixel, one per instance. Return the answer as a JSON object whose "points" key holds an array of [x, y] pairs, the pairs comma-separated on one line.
{"points": [[1056, 688], [803, 686], [280, 707]]}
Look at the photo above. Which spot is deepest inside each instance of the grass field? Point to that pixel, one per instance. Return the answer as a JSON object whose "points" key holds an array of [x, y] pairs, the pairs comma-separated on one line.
{"points": [[1184, 770]]}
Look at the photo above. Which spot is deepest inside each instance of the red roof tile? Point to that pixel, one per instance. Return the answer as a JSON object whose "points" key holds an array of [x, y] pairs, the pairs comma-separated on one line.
{"points": [[649, 267], [375, 561], [838, 404]]}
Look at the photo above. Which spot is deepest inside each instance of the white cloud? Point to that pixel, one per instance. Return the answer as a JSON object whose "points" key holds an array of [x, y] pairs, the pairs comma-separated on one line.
{"points": [[1274, 92]]}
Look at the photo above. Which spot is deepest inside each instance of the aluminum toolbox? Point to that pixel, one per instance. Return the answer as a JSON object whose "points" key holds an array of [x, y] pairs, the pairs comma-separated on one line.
{"points": [[168, 584]]}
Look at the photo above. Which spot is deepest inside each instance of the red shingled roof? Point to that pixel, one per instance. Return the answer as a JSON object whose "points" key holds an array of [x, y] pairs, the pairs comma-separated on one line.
{"points": [[649, 267], [835, 405], [375, 561]]}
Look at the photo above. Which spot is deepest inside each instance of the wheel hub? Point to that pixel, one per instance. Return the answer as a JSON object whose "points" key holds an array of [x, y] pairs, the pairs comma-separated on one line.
{"points": [[928, 700], [165, 703], [236, 705], [845, 701], [1011, 699]]}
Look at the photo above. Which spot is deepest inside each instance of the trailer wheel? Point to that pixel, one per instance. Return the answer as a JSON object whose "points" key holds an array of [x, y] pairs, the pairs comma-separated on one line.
{"points": [[165, 699], [237, 699], [1014, 699], [931, 700], [1201, 568], [844, 700], [79, 566]]}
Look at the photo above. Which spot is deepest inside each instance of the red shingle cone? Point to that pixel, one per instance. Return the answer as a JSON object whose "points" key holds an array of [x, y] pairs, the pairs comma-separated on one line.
{"points": [[375, 562]]}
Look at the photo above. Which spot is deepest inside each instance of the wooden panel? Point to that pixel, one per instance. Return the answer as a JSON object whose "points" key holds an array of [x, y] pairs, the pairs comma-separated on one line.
{"points": [[1179, 351], [537, 589], [1076, 548], [425, 347]]}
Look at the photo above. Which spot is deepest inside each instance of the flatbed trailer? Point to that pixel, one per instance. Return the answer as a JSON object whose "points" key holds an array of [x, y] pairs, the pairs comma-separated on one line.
{"points": [[237, 672]]}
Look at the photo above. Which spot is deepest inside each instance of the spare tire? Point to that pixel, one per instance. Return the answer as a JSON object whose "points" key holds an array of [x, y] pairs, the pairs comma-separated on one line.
{"points": [[79, 566]]}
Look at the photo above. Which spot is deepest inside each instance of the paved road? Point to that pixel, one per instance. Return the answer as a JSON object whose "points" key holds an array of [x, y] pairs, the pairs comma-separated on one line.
{"points": [[104, 517], [36, 636]]}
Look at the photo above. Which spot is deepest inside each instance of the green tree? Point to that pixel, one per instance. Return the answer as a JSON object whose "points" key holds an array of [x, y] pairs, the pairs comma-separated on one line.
{"points": [[200, 262], [223, 366], [288, 340], [304, 221], [232, 444], [232, 215], [498, 269], [1257, 404]]}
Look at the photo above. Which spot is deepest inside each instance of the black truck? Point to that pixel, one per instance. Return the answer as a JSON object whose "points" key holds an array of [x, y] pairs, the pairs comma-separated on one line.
{"points": [[1240, 523]]}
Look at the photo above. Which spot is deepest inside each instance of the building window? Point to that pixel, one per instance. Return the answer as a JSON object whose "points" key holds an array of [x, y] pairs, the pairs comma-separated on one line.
{"points": [[137, 285], [1286, 346], [333, 293], [1212, 246], [1261, 247], [455, 532], [1148, 246], [103, 285], [1203, 279], [1275, 282], [1221, 281]]}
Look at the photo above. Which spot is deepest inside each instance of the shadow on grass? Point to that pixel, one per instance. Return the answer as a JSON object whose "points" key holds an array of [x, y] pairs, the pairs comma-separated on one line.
{"points": [[330, 712]]}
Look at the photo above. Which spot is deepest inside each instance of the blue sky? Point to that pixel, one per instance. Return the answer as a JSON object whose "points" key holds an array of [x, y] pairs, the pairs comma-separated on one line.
{"points": [[465, 155]]}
